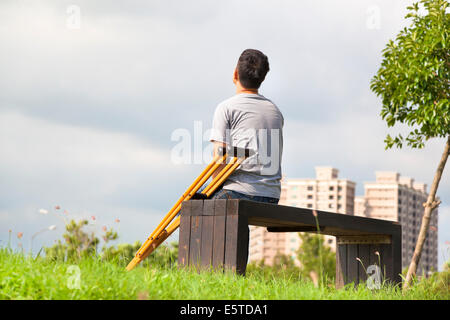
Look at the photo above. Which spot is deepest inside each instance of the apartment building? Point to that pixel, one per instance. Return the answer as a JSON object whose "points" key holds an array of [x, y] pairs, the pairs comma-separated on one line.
{"points": [[360, 206], [325, 192], [391, 197]]}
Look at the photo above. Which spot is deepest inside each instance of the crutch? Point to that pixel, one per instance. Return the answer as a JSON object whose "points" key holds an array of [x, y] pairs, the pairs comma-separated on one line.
{"points": [[166, 227]]}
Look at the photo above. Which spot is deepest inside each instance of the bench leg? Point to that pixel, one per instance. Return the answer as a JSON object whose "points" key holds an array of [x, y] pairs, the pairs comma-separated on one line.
{"points": [[367, 263], [213, 234], [236, 243]]}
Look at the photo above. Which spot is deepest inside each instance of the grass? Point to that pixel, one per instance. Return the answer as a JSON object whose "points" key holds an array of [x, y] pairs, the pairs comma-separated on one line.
{"points": [[24, 277]]}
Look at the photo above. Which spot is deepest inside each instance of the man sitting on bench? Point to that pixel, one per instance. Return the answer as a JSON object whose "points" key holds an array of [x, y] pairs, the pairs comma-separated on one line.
{"points": [[250, 120]]}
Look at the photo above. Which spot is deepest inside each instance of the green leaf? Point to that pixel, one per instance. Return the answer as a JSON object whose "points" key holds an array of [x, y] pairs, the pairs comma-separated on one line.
{"points": [[413, 79]]}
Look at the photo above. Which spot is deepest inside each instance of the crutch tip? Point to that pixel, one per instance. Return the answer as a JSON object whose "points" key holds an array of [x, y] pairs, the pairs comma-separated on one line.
{"points": [[133, 264]]}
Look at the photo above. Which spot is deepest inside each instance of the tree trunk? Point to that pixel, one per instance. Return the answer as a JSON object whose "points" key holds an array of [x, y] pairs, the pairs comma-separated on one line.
{"points": [[430, 205]]}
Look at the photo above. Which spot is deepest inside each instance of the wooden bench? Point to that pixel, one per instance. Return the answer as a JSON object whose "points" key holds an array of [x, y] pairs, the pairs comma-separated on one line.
{"points": [[214, 233]]}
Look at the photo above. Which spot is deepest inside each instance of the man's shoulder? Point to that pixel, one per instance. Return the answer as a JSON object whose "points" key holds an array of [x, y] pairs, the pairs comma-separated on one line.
{"points": [[274, 105], [229, 102], [234, 104], [242, 98]]}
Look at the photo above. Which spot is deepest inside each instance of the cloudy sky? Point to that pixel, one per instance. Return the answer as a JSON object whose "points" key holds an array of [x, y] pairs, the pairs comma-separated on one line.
{"points": [[91, 93]]}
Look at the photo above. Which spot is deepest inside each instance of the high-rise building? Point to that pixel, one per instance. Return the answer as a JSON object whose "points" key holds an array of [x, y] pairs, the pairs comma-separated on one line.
{"points": [[360, 206], [397, 198], [390, 197], [326, 192]]}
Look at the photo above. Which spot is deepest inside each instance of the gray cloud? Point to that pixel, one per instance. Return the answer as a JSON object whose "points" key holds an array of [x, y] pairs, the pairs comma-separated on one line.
{"points": [[146, 64]]}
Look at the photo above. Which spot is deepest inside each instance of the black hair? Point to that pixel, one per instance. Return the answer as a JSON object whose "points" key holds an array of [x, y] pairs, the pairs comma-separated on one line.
{"points": [[252, 68]]}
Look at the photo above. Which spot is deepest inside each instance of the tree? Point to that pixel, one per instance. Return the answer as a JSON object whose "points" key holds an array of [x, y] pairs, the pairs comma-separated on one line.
{"points": [[80, 243], [315, 257], [413, 82], [77, 243], [283, 261]]}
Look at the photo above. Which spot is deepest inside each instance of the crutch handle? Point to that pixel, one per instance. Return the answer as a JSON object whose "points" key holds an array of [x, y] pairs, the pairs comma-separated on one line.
{"points": [[238, 152]]}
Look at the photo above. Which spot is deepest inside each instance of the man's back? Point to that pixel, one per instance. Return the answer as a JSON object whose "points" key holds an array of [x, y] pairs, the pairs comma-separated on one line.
{"points": [[249, 120]]}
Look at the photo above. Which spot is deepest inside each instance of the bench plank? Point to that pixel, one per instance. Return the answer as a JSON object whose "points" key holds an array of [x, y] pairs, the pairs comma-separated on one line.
{"points": [[364, 256], [184, 237], [207, 234], [218, 256], [335, 224], [196, 232], [341, 265], [231, 236], [352, 264]]}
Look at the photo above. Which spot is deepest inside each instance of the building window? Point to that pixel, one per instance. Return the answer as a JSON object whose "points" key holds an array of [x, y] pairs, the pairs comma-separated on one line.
{"points": [[339, 188], [309, 196], [339, 206], [310, 188], [309, 205], [330, 197], [330, 205], [331, 188]]}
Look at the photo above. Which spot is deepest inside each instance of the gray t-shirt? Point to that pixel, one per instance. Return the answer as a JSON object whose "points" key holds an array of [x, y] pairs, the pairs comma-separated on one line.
{"points": [[252, 121]]}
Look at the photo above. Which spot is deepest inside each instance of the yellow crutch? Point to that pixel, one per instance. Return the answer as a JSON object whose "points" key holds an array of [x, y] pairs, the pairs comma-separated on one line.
{"points": [[164, 230]]}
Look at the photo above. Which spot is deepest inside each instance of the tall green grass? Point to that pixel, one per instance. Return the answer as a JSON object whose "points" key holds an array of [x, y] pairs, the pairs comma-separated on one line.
{"points": [[25, 277]]}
